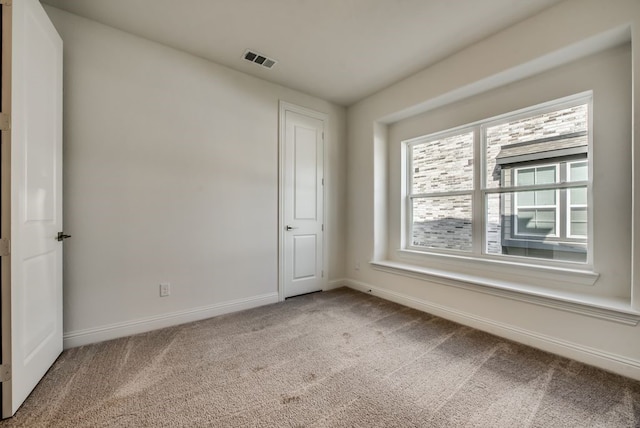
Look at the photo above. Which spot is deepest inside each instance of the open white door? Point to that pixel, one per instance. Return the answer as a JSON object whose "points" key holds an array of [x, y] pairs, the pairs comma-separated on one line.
{"points": [[302, 198], [36, 202]]}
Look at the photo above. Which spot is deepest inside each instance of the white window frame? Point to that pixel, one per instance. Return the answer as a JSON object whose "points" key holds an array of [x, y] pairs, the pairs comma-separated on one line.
{"points": [[481, 191]]}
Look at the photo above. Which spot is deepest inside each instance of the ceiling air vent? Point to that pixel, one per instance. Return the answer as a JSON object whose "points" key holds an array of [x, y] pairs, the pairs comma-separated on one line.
{"points": [[259, 59]]}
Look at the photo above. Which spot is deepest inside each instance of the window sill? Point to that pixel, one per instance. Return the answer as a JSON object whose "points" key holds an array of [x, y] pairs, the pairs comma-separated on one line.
{"points": [[507, 271], [612, 309]]}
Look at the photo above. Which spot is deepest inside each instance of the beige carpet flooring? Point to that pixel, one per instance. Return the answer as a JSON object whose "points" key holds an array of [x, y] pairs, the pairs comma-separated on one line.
{"points": [[338, 358]]}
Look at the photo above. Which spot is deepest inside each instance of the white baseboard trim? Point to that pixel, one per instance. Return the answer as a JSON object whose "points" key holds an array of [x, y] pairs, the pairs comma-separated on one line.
{"points": [[76, 338], [595, 357], [335, 283]]}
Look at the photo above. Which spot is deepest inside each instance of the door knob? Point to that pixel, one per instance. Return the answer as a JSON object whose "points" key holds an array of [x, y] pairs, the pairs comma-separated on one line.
{"points": [[61, 236], [290, 227]]}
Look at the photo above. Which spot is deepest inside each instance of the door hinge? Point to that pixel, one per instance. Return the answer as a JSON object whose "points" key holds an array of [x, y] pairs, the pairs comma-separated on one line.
{"points": [[5, 120], [6, 2], [322, 228], [322, 274], [5, 372], [323, 181], [5, 247]]}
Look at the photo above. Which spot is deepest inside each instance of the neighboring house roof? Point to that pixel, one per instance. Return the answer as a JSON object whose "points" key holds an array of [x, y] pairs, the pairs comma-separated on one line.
{"points": [[544, 148]]}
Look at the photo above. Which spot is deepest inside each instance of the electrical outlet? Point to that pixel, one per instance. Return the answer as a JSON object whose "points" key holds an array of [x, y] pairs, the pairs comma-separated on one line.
{"points": [[356, 266], [165, 289]]}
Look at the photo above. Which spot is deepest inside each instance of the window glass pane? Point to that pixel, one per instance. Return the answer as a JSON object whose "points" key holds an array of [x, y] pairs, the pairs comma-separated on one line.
{"points": [[546, 216], [546, 174], [530, 233], [578, 171], [536, 221], [532, 138], [526, 177], [524, 219], [536, 198], [442, 222], [578, 223], [578, 196], [545, 197], [526, 199], [443, 165]]}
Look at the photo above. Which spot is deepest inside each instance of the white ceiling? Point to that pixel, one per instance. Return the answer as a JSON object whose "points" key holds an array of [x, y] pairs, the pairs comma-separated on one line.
{"points": [[339, 50]]}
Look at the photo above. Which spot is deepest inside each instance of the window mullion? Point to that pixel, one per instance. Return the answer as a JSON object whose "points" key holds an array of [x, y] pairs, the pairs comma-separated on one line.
{"points": [[563, 195], [527, 188], [441, 194], [409, 201], [478, 218]]}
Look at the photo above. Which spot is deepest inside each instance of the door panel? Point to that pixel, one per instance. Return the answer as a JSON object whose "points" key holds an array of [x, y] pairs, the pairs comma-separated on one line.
{"points": [[305, 173], [303, 198], [36, 201], [39, 315], [304, 256]]}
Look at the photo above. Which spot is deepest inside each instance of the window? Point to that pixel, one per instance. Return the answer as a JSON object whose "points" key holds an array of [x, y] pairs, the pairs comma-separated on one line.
{"points": [[513, 186]]}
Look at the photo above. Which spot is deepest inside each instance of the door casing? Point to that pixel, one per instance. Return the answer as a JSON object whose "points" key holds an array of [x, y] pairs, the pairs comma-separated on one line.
{"points": [[5, 208]]}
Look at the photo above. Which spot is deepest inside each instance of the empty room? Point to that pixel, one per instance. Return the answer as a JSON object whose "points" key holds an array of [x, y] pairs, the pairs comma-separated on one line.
{"points": [[358, 213]]}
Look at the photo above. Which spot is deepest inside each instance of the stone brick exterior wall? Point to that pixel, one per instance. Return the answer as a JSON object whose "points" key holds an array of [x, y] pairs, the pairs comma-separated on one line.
{"points": [[443, 165], [443, 222]]}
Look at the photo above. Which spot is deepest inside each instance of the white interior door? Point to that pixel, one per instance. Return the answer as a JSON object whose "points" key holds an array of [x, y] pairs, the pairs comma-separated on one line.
{"points": [[303, 200], [36, 201]]}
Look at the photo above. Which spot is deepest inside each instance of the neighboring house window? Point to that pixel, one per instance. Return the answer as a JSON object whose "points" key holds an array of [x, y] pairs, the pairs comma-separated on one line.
{"points": [[537, 211], [510, 186]]}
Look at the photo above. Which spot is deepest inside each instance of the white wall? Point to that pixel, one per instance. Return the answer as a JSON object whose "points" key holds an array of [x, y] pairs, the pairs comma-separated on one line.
{"points": [[568, 31], [171, 175]]}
